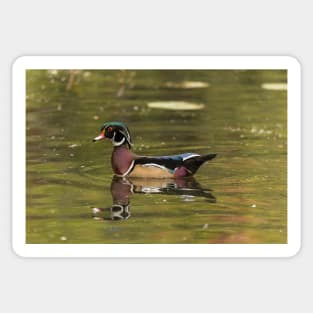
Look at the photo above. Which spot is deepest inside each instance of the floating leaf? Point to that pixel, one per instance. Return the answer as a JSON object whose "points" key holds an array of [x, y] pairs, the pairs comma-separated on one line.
{"points": [[53, 72], [187, 84], [175, 105], [274, 86], [74, 145]]}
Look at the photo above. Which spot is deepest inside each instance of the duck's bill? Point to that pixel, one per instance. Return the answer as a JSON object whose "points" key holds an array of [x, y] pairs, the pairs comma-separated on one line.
{"points": [[101, 136]]}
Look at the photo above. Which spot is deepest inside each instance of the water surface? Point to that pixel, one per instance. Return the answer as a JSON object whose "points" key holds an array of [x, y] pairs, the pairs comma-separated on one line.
{"points": [[239, 197]]}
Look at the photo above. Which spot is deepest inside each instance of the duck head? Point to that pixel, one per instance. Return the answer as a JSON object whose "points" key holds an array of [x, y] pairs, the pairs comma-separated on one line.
{"points": [[116, 131]]}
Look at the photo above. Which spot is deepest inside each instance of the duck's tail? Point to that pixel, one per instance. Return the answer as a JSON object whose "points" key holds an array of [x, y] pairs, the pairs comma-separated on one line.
{"points": [[194, 163]]}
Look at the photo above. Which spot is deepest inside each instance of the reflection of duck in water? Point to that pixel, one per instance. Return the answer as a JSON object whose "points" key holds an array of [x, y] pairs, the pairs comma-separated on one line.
{"points": [[126, 163], [122, 188]]}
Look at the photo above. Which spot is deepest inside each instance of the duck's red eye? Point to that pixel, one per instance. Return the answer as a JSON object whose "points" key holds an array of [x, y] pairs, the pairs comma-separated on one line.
{"points": [[109, 132]]}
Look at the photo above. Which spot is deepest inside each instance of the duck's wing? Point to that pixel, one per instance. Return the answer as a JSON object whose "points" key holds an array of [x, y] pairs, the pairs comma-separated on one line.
{"points": [[170, 162]]}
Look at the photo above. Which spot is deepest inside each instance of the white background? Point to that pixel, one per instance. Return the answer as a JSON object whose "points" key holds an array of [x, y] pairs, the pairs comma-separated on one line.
{"points": [[162, 28]]}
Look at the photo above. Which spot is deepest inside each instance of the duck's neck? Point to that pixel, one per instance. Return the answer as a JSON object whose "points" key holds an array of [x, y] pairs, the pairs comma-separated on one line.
{"points": [[122, 159]]}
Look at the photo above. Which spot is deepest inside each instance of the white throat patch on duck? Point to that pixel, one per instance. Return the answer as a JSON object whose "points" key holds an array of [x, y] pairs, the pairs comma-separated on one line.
{"points": [[118, 139]]}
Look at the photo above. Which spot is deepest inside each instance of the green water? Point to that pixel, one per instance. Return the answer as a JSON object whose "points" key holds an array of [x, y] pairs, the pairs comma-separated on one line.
{"points": [[239, 197]]}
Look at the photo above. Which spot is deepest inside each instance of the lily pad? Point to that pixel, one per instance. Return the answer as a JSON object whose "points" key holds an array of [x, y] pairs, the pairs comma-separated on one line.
{"points": [[175, 105], [274, 86], [187, 84]]}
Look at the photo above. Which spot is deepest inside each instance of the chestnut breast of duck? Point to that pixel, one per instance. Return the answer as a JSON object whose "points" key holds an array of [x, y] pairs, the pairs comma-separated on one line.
{"points": [[122, 160]]}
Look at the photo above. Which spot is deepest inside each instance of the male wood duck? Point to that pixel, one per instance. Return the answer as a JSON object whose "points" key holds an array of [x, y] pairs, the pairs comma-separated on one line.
{"points": [[126, 163]]}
